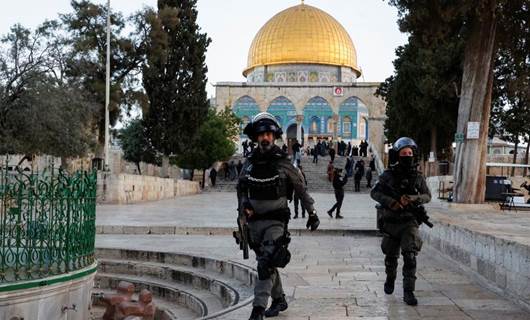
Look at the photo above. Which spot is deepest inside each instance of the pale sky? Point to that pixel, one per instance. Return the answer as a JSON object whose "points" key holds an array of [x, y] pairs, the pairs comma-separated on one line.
{"points": [[232, 24]]}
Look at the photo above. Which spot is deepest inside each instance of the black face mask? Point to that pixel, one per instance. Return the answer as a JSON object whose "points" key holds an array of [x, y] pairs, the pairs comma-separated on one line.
{"points": [[406, 162]]}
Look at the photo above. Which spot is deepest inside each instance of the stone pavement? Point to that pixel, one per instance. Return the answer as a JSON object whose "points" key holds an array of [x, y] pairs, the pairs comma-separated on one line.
{"points": [[338, 273], [341, 277], [486, 218], [217, 210]]}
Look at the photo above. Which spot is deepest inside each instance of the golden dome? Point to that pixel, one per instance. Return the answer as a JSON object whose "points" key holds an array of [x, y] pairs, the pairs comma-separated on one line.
{"points": [[302, 34]]}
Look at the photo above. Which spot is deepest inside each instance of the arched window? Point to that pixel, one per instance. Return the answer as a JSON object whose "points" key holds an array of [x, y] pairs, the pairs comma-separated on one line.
{"points": [[315, 124], [329, 125], [346, 125]]}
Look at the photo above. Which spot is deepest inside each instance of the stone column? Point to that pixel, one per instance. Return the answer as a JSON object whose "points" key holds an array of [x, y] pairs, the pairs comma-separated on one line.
{"points": [[299, 121]]}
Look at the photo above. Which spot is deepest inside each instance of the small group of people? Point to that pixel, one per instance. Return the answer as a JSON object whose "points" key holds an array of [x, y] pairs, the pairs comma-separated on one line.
{"points": [[248, 147], [231, 170], [269, 181]]}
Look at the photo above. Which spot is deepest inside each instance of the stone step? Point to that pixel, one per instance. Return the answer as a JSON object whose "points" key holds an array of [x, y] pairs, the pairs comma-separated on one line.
{"points": [[205, 286], [225, 289], [173, 297]]}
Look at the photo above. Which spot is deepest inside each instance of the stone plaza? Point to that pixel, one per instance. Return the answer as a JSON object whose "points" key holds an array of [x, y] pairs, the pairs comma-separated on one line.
{"points": [[337, 272]]}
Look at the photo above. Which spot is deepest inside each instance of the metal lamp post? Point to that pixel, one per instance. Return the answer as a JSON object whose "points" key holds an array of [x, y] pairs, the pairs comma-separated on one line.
{"points": [[107, 93]]}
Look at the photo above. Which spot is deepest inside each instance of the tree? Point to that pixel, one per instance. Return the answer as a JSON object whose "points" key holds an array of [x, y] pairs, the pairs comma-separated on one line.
{"points": [[87, 30], [478, 23], [39, 112], [174, 76], [136, 145], [422, 90], [511, 98], [214, 142]]}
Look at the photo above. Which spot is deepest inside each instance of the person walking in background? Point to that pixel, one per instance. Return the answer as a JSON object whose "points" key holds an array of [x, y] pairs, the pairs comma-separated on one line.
{"points": [[239, 167], [315, 153], [330, 171], [296, 152], [349, 166], [359, 173], [297, 199], [355, 151], [369, 178], [348, 151], [338, 186], [226, 170], [213, 176], [332, 153], [245, 145], [372, 163]]}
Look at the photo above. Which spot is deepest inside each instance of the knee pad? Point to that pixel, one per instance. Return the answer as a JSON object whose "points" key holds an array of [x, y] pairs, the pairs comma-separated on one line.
{"points": [[264, 268], [409, 259], [391, 262]]}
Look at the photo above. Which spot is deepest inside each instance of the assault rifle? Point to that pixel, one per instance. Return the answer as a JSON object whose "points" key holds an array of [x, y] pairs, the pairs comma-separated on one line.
{"points": [[418, 211], [241, 235]]}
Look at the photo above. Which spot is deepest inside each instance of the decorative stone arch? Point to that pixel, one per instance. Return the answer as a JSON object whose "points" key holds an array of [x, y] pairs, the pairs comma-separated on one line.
{"points": [[317, 108], [348, 114], [284, 109], [245, 108]]}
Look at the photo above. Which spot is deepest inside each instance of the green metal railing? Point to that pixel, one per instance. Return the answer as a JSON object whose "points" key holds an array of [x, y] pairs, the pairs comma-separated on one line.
{"points": [[47, 223]]}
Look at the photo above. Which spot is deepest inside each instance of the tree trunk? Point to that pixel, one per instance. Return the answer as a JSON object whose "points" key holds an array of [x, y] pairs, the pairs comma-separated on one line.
{"points": [[526, 157], [192, 173], [164, 173], [475, 105], [139, 169], [434, 133], [514, 160], [203, 177], [66, 164]]}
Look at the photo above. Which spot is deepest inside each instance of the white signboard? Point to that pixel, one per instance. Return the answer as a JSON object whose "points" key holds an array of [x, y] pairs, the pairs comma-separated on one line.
{"points": [[473, 130]]}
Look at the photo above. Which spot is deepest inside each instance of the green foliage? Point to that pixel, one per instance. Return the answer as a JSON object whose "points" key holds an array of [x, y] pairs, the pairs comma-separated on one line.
{"points": [[510, 116], [213, 142], [40, 113], [136, 145], [174, 75], [428, 69], [423, 91], [86, 27]]}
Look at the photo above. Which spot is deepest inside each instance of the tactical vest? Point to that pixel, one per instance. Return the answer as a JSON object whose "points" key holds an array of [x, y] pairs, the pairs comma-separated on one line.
{"points": [[266, 182]]}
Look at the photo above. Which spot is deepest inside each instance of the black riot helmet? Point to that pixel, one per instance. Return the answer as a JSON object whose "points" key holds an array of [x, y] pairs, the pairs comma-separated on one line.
{"points": [[263, 122], [401, 143]]}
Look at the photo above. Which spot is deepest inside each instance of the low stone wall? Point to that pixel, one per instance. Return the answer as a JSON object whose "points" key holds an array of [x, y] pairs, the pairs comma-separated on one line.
{"points": [[129, 188], [54, 301], [500, 264], [186, 187]]}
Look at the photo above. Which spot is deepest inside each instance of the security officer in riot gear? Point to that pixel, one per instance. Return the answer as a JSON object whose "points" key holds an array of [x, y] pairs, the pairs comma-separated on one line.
{"points": [[400, 188], [266, 183]]}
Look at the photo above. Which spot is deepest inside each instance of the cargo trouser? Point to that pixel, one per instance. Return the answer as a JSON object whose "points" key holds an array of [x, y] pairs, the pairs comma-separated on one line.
{"points": [[266, 231], [405, 236]]}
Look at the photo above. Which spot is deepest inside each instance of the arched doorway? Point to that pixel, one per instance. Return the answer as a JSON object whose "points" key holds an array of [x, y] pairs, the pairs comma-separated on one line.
{"points": [[292, 136]]}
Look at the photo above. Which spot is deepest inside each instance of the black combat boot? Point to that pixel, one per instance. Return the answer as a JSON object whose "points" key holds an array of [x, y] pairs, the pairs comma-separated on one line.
{"points": [[257, 313], [338, 216], [296, 216], [277, 305], [389, 285], [330, 213], [409, 298]]}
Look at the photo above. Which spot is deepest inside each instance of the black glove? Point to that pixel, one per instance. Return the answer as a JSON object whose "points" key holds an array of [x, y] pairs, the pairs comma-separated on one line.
{"points": [[312, 221]]}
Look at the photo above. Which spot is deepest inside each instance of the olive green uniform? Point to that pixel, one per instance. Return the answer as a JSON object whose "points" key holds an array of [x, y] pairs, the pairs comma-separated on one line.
{"points": [[400, 228]]}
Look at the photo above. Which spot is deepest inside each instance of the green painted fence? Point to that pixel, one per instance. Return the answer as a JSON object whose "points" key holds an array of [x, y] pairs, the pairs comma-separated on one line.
{"points": [[47, 223]]}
